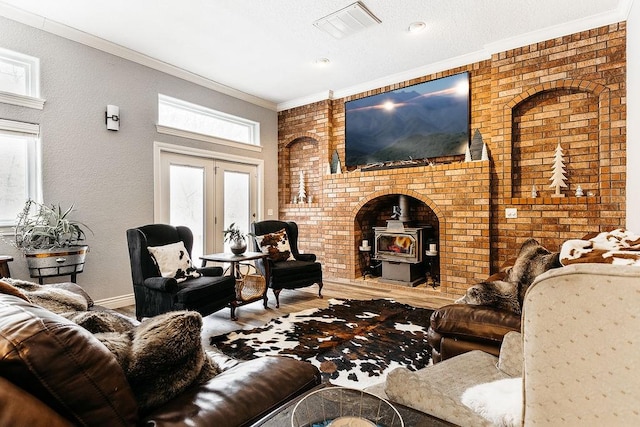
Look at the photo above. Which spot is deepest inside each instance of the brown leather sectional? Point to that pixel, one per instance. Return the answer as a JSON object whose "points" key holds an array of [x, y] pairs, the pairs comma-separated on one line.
{"points": [[55, 373], [459, 328]]}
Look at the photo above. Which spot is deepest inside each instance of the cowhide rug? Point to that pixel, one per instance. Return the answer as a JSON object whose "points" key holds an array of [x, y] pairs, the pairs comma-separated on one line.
{"points": [[354, 343]]}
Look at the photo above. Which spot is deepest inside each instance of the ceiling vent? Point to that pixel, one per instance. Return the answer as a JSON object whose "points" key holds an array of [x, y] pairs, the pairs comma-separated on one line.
{"points": [[345, 22]]}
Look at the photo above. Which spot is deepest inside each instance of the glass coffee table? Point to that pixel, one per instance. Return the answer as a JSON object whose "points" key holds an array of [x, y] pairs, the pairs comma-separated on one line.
{"points": [[344, 407], [282, 417]]}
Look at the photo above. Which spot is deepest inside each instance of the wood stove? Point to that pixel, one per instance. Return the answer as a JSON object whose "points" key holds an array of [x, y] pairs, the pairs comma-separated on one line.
{"points": [[399, 246], [401, 250]]}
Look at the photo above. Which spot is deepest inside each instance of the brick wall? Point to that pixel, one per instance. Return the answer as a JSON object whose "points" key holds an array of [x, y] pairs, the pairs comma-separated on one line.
{"points": [[569, 90]]}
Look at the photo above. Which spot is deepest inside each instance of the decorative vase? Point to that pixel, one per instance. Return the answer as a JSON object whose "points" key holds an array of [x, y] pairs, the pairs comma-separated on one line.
{"points": [[239, 246]]}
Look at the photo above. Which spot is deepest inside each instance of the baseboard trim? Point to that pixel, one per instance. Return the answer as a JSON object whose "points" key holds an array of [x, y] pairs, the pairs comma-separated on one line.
{"points": [[117, 302]]}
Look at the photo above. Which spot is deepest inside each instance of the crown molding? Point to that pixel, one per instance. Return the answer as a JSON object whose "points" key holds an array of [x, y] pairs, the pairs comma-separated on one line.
{"points": [[561, 30], [619, 14], [436, 67], [387, 80], [305, 100], [86, 39]]}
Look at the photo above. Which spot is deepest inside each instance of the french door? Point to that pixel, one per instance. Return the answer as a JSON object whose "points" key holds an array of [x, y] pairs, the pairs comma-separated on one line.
{"points": [[207, 195]]}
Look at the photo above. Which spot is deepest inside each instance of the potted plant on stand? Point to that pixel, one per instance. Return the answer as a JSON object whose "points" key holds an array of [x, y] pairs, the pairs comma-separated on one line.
{"points": [[236, 239], [50, 240]]}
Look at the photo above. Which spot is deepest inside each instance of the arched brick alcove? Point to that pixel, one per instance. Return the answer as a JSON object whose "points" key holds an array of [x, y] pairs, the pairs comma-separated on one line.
{"points": [[572, 113], [377, 210], [301, 154]]}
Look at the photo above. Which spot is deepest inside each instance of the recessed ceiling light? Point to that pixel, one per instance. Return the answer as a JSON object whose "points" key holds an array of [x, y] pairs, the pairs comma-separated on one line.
{"points": [[323, 61], [417, 27]]}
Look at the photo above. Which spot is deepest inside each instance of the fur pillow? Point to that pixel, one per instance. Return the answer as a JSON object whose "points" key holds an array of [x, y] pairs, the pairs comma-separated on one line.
{"points": [[533, 260], [495, 293], [162, 356], [173, 261], [276, 245], [508, 294], [101, 321]]}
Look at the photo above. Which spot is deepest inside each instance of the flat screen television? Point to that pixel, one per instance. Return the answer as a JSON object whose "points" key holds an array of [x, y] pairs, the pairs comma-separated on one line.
{"points": [[423, 121]]}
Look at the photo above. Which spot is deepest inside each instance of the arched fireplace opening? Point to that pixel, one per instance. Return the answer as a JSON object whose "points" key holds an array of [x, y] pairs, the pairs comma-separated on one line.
{"points": [[397, 240]]}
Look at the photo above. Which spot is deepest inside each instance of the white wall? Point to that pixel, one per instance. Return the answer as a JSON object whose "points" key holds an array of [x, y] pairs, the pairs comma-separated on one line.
{"points": [[633, 118], [109, 175]]}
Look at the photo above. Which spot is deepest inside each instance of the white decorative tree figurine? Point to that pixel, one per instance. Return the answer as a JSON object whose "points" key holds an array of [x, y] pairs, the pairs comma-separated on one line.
{"points": [[467, 154], [558, 178], [302, 193], [485, 152]]}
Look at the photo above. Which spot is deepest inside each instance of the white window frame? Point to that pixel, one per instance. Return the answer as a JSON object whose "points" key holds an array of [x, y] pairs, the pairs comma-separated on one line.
{"points": [[252, 127], [32, 64], [34, 167]]}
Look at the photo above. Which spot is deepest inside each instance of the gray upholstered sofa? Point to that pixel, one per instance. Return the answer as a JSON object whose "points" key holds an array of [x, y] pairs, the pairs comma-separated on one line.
{"points": [[575, 361]]}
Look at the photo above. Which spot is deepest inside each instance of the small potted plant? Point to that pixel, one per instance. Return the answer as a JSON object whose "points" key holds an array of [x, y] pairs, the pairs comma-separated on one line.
{"points": [[236, 239], [50, 240]]}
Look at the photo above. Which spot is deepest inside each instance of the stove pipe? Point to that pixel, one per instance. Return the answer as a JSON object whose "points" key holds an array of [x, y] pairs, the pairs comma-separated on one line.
{"points": [[403, 202]]}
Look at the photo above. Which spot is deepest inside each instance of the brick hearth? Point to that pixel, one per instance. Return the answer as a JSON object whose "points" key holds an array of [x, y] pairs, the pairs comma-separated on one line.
{"points": [[569, 90]]}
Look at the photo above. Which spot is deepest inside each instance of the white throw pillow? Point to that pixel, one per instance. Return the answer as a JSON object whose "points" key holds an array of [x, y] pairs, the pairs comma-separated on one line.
{"points": [[276, 245], [173, 261]]}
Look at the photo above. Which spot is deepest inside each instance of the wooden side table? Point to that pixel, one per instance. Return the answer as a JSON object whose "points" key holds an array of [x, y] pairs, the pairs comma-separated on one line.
{"points": [[4, 265], [234, 270]]}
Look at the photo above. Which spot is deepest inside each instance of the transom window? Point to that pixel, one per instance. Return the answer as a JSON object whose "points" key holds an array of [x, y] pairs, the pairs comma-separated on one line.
{"points": [[20, 79], [197, 121], [20, 168]]}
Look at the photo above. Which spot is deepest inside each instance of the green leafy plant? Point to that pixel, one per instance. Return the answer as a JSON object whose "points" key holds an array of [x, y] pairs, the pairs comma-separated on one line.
{"points": [[46, 227], [232, 233]]}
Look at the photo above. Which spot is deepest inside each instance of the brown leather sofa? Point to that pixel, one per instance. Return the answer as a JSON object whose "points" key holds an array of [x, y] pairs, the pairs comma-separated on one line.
{"points": [[55, 373], [459, 328]]}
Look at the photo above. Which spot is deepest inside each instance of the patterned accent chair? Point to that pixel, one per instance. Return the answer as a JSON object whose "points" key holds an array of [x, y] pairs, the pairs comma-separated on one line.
{"points": [[573, 363], [155, 294], [301, 271]]}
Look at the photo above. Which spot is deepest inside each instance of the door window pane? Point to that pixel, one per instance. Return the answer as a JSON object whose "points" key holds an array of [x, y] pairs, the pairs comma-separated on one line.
{"points": [[186, 193], [236, 202]]}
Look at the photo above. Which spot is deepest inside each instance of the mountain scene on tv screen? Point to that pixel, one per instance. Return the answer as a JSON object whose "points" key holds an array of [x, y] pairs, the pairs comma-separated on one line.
{"points": [[425, 121]]}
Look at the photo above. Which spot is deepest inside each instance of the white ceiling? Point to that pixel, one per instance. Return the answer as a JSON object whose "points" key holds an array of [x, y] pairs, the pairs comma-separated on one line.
{"points": [[268, 48]]}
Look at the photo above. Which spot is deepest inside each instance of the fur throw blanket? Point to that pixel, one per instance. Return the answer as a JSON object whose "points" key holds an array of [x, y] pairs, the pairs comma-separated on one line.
{"points": [[499, 402], [160, 357], [506, 290], [55, 298], [620, 247]]}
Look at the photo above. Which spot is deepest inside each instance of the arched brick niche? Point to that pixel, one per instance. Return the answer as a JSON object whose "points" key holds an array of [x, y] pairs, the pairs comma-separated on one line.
{"points": [[574, 114], [301, 154], [376, 212]]}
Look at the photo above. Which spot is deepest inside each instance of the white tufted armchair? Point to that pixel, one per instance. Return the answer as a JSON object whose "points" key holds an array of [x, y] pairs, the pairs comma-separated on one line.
{"points": [[576, 362]]}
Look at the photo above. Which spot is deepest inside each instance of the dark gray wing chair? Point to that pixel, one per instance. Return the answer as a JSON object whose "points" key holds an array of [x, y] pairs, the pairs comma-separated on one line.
{"points": [[301, 272], [155, 294]]}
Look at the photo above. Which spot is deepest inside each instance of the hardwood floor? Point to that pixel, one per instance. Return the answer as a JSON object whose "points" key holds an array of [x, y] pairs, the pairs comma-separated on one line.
{"points": [[254, 314]]}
